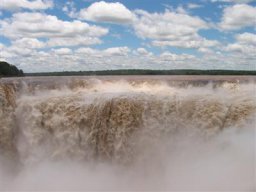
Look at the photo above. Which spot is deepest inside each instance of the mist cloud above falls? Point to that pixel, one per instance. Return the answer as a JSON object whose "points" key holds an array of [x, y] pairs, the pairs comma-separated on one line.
{"points": [[224, 163]]}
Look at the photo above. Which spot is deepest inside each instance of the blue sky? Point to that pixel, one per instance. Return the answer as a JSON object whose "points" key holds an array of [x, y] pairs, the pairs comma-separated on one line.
{"points": [[51, 35]]}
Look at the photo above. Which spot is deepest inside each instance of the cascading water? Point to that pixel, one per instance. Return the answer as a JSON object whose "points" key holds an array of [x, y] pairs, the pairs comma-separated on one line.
{"points": [[133, 134]]}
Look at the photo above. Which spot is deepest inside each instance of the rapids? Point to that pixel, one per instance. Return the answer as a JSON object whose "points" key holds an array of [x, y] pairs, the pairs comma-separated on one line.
{"points": [[127, 134]]}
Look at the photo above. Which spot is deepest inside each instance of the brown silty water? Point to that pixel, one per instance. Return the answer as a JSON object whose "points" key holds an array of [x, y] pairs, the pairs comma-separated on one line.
{"points": [[119, 120]]}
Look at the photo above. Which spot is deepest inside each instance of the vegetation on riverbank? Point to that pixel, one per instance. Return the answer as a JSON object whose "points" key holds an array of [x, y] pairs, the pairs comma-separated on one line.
{"points": [[145, 72], [8, 70]]}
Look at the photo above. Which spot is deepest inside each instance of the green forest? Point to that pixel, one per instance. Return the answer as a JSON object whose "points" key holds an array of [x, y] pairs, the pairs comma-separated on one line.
{"points": [[145, 72], [8, 70]]}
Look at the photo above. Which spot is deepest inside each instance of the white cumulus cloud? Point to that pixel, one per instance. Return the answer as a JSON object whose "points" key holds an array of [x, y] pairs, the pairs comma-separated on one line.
{"points": [[26, 4], [238, 16], [36, 25], [78, 40], [112, 51], [142, 51], [62, 51], [196, 42], [107, 12], [117, 51], [30, 43], [247, 38], [172, 29], [245, 44], [167, 26]]}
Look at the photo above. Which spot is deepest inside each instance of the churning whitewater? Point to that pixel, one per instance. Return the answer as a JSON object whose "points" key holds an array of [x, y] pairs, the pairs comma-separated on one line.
{"points": [[127, 134]]}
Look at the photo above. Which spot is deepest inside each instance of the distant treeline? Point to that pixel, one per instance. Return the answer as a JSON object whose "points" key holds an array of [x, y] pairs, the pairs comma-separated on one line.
{"points": [[8, 70], [145, 72]]}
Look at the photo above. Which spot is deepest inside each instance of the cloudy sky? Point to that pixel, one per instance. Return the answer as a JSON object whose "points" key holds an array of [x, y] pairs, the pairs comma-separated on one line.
{"points": [[58, 35]]}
